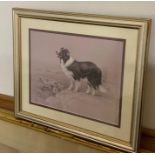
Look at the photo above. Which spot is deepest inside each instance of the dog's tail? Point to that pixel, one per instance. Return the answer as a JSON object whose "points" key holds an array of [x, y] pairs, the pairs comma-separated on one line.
{"points": [[102, 89]]}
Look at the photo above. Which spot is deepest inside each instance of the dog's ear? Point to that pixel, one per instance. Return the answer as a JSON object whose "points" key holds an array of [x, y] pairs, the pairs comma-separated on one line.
{"points": [[62, 48], [67, 52]]}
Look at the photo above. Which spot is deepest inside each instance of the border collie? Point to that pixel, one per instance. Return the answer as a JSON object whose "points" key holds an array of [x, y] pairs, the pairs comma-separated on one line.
{"points": [[76, 70]]}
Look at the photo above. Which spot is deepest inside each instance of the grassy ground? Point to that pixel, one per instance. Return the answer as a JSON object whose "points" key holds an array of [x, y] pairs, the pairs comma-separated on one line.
{"points": [[49, 88]]}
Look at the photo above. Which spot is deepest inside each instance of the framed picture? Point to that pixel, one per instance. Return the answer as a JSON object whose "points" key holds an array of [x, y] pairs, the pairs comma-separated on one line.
{"points": [[81, 74]]}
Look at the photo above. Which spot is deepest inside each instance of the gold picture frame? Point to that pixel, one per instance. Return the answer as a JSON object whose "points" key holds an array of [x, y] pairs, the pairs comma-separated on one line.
{"points": [[132, 34]]}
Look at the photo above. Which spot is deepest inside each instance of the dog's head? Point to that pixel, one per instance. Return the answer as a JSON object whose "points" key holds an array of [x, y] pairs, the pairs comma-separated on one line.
{"points": [[63, 54]]}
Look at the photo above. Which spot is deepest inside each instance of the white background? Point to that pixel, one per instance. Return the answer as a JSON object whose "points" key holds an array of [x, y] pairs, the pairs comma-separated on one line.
{"points": [[137, 9]]}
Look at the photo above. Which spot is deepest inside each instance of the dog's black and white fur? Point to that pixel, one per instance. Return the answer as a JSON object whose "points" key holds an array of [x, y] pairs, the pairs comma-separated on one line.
{"points": [[76, 70]]}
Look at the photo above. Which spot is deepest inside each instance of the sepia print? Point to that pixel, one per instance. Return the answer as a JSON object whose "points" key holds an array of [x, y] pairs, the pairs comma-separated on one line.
{"points": [[77, 74]]}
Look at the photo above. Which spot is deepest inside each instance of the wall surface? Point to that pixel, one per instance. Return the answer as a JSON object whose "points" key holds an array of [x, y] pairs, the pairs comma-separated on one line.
{"points": [[137, 9]]}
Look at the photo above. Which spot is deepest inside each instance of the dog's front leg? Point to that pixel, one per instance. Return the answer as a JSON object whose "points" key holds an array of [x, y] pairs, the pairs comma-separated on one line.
{"points": [[72, 83], [93, 92], [88, 89], [77, 85]]}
